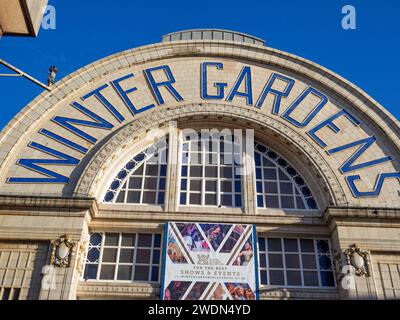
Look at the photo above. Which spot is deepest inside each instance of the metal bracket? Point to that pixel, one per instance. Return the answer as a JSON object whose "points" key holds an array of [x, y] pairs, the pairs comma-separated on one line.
{"points": [[20, 73]]}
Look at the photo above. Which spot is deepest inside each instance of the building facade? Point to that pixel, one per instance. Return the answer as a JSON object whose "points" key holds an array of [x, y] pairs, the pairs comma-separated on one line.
{"points": [[206, 126], [21, 18]]}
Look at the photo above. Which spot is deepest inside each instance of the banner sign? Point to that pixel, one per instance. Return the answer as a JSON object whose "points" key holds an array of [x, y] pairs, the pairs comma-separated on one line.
{"points": [[208, 261]]}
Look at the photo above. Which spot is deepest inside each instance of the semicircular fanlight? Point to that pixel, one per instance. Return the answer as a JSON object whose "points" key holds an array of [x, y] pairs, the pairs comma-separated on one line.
{"points": [[142, 179], [278, 184]]}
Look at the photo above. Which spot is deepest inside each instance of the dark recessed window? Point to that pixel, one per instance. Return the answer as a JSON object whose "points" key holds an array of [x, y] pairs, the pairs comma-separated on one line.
{"points": [[290, 262], [123, 257]]}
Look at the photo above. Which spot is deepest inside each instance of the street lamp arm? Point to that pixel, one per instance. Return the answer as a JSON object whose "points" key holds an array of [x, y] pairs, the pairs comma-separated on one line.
{"points": [[20, 73]]}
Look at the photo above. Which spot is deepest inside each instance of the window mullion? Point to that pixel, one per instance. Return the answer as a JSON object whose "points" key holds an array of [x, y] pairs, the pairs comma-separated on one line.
{"points": [[233, 176], [103, 237], [294, 194], [263, 180], [248, 178], [134, 256], [267, 261], [177, 164], [151, 259], [188, 172], [203, 172], [219, 200], [284, 260], [278, 180], [126, 190], [331, 259], [143, 178], [117, 259], [173, 164], [301, 262], [158, 179], [317, 262]]}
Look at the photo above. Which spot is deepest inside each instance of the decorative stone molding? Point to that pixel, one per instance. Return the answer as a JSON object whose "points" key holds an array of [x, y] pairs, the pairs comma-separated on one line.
{"points": [[334, 214], [81, 255], [28, 202], [62, 254], [356, 258], [116, 290], [90, 177], [359, 259], [298, 294]]}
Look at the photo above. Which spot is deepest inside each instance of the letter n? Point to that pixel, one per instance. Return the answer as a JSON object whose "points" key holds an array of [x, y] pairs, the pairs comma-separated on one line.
{"points": [[98, 123], [34, 165], [364, 144]]}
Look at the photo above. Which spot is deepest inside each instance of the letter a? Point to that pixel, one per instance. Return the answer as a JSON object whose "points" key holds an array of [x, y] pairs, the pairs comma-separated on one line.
{"points": [[349, 20]]}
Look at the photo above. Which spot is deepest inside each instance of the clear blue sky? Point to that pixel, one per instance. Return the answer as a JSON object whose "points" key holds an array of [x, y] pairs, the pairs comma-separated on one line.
{"points": [[89, 30]]}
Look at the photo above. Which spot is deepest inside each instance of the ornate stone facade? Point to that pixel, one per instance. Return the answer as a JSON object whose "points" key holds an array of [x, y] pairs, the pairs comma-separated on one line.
{"points": [[60, 154]]}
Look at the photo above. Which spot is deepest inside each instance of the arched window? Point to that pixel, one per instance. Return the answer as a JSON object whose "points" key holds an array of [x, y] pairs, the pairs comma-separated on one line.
{"points": [[278, 184], [142, 180], [210, 170], [209, 166]]}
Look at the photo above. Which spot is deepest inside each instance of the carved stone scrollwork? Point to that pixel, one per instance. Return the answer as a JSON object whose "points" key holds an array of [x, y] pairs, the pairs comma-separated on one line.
{"points": [[62, 254], [359, 259], [354, 257]]}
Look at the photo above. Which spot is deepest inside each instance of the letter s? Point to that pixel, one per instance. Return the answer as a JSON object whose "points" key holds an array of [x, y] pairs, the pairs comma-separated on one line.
{"points": [[378, 185]]}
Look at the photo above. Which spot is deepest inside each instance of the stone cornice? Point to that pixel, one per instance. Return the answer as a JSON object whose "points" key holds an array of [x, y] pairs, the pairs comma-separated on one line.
{"points": [[298, 293], [117, 290], [14, 203], [110, 290], [367, 214], [159, 217]]}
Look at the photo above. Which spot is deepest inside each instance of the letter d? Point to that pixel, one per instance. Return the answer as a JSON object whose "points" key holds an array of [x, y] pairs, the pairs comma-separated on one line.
{"points": [[214, 309], [246, 309]]}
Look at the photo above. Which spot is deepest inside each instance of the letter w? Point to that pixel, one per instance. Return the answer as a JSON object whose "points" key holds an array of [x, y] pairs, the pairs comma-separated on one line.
{"points": [[33, 164], [349, 164], [98, 123]]}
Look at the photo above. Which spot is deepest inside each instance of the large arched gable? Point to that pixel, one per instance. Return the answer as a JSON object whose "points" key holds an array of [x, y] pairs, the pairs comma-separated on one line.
{"points": [[53, 145]]}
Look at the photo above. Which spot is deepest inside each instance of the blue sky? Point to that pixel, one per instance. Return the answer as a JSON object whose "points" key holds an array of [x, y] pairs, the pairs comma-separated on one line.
{"points": [[89, 30]]}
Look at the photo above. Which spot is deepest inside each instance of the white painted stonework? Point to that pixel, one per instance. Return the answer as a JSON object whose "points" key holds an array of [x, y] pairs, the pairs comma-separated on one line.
{"points": [[39, 211]]}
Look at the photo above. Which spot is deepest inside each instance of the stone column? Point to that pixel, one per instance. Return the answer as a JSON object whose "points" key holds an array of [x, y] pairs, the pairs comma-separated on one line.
{"points": [[50, 221], [172, 169], [249, 195], [353, 242], [60, 282]]}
